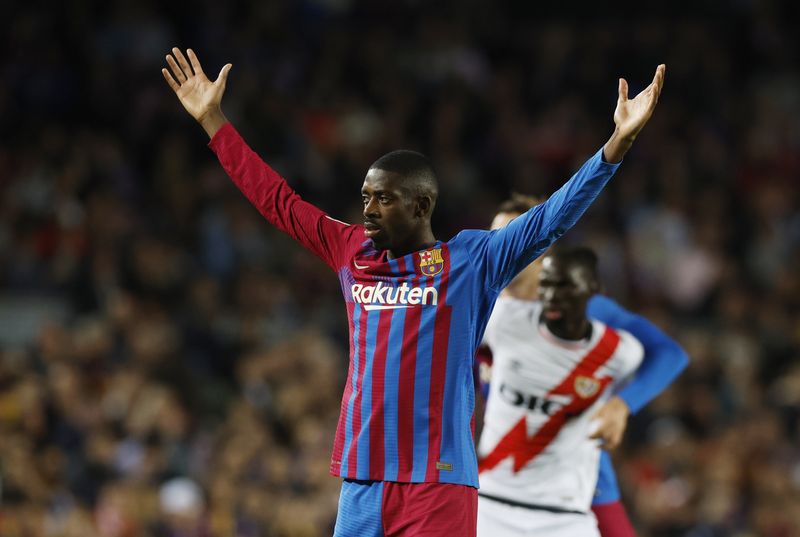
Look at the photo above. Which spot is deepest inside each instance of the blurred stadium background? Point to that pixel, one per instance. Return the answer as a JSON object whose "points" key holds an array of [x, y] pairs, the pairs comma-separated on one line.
{"points": [[171, 366]]}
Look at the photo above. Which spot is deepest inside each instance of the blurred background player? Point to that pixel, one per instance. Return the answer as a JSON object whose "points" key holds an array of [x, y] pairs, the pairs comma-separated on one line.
{"points": [[553, 370], [404, 444], [664, 359]]}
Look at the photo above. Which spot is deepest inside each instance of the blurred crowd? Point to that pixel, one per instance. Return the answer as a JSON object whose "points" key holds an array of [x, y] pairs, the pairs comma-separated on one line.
{"points": [[171, 366]]}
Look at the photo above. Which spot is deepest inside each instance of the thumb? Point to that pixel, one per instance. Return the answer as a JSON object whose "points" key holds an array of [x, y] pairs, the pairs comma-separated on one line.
{"points": [[223, 75], [623, 90]]}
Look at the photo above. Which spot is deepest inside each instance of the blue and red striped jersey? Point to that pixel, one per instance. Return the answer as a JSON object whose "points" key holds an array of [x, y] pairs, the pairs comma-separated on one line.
{"points": [[415, 321]]}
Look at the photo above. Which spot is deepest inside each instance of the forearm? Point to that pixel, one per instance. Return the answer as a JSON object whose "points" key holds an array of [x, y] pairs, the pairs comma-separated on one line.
{"points": [[525, 238], [276, 200], [563, 209], [617, 146]]}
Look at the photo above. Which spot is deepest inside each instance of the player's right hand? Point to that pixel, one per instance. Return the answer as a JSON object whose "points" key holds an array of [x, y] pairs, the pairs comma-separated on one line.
{"points": [[610, 421], [198, 95]]}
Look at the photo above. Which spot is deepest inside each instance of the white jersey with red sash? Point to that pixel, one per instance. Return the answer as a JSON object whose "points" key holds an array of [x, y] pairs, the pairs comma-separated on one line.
{"points": [[535, 447]]}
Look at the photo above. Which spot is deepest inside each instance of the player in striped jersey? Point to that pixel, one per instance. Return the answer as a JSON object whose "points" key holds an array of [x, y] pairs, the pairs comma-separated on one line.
{"points": [[664, 359], [416, 306]]}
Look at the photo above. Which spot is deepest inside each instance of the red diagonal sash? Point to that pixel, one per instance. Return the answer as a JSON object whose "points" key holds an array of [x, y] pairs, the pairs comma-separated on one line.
{"points": [[516, 442]]}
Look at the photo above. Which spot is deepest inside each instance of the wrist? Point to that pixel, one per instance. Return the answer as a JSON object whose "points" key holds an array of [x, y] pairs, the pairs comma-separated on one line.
{"points": [[212, 121], [623, 404], [616, 146]]}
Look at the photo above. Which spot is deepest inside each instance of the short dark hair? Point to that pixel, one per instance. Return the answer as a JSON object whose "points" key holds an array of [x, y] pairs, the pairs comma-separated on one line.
{"points": [[519, 203], [577, 255], [414, 167]]}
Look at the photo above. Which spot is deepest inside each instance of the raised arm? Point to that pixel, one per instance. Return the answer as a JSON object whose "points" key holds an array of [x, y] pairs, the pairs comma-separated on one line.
{"points": [[508, 250], [263, 186]]}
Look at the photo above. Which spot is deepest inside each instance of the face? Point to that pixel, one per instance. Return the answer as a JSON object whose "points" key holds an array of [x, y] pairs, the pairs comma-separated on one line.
{"points": [[391, 216], [502, 219], [564, 289]]}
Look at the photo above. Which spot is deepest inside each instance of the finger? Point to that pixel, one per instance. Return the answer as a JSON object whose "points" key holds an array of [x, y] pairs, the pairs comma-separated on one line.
{"points": [[182, 61], [662, 73], [658, 82], [180, 76], [623, 90], [171, 81], [222, 78], [596, 426], [195, 62]]}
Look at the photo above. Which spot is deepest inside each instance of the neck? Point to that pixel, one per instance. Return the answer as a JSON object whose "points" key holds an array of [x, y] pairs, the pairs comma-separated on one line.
{"points": [[570, 329], [421, 242]]}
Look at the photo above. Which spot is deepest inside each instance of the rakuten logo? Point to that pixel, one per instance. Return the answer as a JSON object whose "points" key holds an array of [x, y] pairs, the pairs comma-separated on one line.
{"points": [[388, 297]]}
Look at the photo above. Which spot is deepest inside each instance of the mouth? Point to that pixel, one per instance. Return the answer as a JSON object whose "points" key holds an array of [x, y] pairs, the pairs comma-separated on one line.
{"points": [[371, 229], [552, 313]]}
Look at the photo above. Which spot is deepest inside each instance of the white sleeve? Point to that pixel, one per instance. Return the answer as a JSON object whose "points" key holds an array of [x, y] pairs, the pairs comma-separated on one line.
{"points": [[487, 340], [627, 357], [499, 312]]}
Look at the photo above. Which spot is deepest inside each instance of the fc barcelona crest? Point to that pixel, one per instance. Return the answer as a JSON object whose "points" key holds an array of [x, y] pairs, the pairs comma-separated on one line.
{"points": [[431, 262], [586, 387]]}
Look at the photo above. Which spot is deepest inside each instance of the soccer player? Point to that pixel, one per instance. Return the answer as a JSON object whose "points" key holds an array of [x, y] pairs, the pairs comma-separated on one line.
{"points": [[663, 361], [553, 369], [416, 306]]}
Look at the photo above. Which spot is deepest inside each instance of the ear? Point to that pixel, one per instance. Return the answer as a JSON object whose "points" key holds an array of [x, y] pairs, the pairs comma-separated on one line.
{"points": [[423, 207]]}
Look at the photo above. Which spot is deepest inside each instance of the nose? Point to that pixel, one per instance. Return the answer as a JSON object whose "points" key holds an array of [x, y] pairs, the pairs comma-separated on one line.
{"points": [[548, 293], [371, 208]]}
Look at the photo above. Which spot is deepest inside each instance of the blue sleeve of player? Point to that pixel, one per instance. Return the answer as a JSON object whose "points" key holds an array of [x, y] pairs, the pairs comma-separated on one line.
{"points": [[503, 253], [663, 359]]}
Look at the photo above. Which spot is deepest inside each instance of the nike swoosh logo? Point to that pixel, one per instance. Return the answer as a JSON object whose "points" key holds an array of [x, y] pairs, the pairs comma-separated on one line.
{"points": [[372, 307], [359, 267]]}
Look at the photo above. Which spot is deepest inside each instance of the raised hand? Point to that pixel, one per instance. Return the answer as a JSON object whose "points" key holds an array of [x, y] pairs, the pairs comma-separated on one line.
{"points": [[198, 95], [631, 115]]}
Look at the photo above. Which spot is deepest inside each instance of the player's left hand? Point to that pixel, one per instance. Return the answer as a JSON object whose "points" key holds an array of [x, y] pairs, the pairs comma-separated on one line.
{"points": [[611, 419], [631, 115]]}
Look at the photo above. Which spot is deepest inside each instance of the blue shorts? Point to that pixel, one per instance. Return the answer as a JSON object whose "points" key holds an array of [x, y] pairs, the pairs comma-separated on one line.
{"points": [[607, 489]]}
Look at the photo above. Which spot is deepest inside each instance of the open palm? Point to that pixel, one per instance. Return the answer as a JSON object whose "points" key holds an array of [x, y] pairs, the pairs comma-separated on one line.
{"points": [[632, 114], [198, 95]]}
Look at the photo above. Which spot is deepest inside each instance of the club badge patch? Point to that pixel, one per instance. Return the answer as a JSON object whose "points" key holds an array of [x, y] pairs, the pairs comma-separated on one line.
{"points": [[431, 262], [586, 387]]}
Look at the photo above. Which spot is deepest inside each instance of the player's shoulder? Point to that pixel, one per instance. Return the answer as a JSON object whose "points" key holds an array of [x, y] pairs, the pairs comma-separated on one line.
{"points": [[628, 346], [627, 341], [469, 239]]}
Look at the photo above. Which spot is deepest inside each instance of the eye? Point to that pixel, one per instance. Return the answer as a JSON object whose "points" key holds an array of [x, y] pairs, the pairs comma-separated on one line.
{"points": [[364, 199], [385, 199]]}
